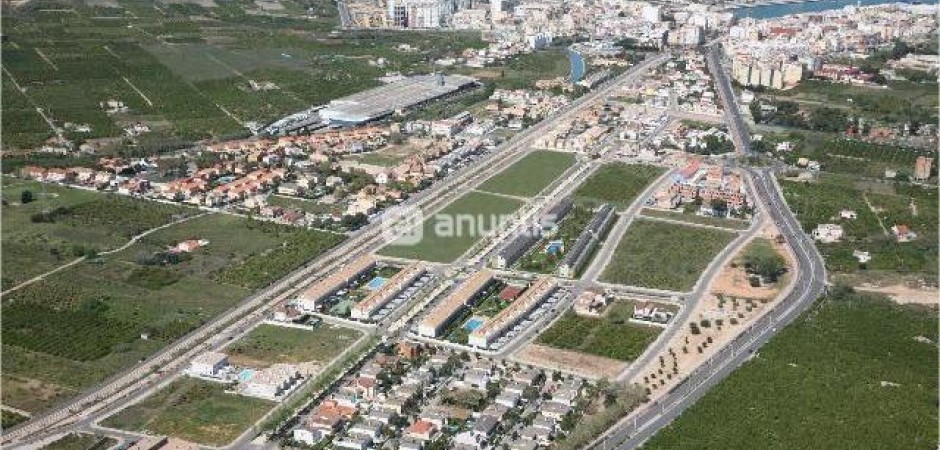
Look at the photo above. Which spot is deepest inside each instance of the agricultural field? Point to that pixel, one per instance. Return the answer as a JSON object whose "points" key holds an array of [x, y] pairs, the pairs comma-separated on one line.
{"points": [[186, 70], [272, 344], [618, 184], [852, 157], [610, 336], [530, 175], [903, 101], [307, 206], [81, 441], [879, 206], [75, 222], [681, 216], [662, 255], [83, 324], [854, 372], [454, 229], [193, 410], [523, 71]]}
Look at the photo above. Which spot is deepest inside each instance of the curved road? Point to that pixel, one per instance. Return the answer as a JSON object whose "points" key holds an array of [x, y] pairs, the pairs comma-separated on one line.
{"points": [[809, 285], [123, 387]]}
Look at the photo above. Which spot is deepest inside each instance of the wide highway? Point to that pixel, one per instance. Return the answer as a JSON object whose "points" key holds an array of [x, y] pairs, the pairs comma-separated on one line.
{"points": [[124, 387], [810, 284]]}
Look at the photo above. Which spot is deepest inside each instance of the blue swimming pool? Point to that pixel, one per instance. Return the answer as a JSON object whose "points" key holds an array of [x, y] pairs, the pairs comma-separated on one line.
{"points": [[473, 323], [555, 247], [245, 375], [376, 283]]}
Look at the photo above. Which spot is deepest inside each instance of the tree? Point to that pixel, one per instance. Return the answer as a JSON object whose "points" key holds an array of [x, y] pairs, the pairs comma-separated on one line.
{"points": [[719, 207], [26, 196], [761, 259], [754, 106]]}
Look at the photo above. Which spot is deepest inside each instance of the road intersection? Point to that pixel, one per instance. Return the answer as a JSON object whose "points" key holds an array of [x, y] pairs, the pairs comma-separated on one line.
{"points": [[138, 381], [809, 284]]}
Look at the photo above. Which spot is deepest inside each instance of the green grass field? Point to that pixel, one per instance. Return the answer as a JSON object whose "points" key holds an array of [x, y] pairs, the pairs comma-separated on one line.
{"points": [[821, 201], [734, 224], [825, 382], [83, 324], [901, 102], [852, 157], [81, 441], [530, 175], [81, 220], [610, 336], [9, 418], [194, 410], [456, 228], [663, 255], [308, 206], [271, 344], [521, 72], [618, 184]]}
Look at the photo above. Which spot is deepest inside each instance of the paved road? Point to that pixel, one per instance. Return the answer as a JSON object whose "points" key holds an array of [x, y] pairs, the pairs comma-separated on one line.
{"points": [[809, 285], [607, 248], [120, 389]]}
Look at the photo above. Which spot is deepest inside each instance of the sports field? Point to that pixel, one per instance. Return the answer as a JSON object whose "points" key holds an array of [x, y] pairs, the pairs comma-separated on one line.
{"points": [[853, 372], [530, 175], [662, 255], [272, 344], [617, 183], [453, 230], [194, 410]]}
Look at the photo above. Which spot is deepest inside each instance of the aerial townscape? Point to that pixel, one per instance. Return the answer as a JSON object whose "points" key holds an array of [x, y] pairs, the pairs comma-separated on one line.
{"points": [[469, 224]]}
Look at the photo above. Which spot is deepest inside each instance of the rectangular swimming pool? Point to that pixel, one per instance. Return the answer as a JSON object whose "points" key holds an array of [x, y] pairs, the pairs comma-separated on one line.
{"points": [[376, 283], [473, 323]]}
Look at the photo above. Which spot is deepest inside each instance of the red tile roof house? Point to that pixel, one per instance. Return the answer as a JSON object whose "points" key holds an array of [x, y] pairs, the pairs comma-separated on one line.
{"points": [[422, 430], [59, 175], [903, 233], [33, 172], [509, 293]]}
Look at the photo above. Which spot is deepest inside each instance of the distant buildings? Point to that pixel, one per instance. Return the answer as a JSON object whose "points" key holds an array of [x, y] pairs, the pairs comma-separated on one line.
{"points": [[778, 75], [922, 168]]}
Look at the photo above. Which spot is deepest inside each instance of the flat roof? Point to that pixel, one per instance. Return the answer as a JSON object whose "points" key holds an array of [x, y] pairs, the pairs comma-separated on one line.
{"points": [[383, 100]]}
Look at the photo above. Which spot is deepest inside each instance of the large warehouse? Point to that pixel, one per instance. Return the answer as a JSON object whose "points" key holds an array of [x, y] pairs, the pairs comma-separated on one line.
{"points": [[384, 100]]}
